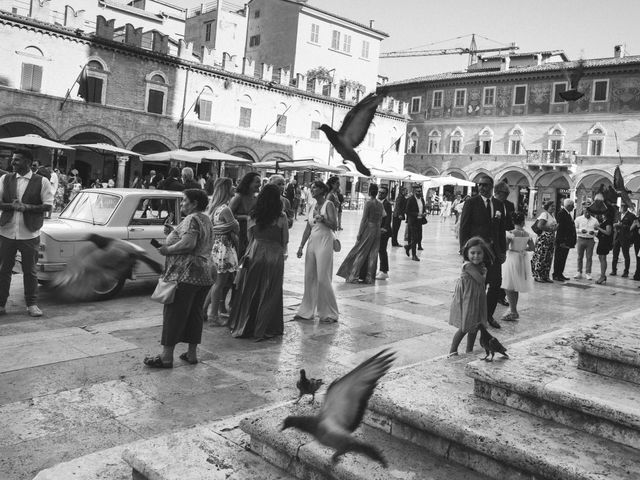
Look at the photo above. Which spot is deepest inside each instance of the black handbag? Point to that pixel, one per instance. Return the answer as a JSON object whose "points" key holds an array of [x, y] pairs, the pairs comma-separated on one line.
{"points": [[536, 227]]}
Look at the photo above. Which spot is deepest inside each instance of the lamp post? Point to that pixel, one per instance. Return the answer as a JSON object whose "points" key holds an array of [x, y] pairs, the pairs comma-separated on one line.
{"points": [[333, 111]]}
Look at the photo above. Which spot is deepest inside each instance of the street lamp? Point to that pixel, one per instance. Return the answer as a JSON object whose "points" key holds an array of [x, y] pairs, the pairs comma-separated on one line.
{"points": [[333, 111]]}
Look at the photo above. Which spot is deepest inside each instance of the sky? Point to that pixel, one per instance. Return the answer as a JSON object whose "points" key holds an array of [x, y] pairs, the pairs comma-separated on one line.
{"points": [[582, 28]]}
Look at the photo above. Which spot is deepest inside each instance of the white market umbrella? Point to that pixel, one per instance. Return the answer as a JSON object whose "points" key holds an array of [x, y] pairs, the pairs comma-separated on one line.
{"points": [[105, 149], [196, 156], [33, 141], [301, 164], [435, 182]]}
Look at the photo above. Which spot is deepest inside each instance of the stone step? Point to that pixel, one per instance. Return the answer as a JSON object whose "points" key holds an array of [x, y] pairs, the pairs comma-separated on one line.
{"points": [[298, 454], [207, 451], [611, 349], [434, 406], [542, 379]]}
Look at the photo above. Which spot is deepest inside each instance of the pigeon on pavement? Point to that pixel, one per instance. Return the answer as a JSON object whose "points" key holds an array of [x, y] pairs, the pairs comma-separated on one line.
{"points": [[344, 407], [354, 129], [490, 344], [307, 386]]}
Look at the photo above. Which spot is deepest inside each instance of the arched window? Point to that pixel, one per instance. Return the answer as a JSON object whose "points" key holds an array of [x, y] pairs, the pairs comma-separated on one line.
{"points": [[434, 141], [597, 135], [371, 135], [204, 105], [157, 93], [516, 139], [246, 105], [485, 141], [32, 68], [457, 138], [94, 89], [315, 124], [412, 144], [281, 118], [556, 136]]}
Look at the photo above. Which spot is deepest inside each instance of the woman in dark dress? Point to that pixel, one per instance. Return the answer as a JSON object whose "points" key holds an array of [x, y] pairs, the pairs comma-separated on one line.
{"points": [[242, 204], [362, 261], [256, 309], [605, 244]]}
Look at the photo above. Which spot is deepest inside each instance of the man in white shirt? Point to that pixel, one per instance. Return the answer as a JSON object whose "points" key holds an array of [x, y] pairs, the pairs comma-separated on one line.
{"points": [[586, 226], [24, 199]]}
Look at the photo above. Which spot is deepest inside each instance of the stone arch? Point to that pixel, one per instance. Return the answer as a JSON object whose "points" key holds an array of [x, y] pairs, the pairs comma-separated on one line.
{"points": [[430, 171], [151, 136], [110, 134], [201, 145], [508, 171], [95, 58], [455, 172], [160, 73], [554, 175], [582, 177], [276, 155], [478, 172], [633, 183], [42, 125], [244, 152]]}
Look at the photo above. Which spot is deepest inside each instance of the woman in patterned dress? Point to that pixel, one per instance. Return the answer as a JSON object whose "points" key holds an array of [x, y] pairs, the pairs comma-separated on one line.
{"points": [[224, 256], [543, 253]]}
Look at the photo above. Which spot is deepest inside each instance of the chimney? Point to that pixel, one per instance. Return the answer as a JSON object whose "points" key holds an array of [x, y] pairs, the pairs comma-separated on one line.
{"points": [[618, 51], [371, 23], [504, 64]]}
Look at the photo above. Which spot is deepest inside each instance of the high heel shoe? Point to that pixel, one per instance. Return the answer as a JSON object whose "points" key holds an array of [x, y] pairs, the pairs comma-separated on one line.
{"points": [[601, 280]]}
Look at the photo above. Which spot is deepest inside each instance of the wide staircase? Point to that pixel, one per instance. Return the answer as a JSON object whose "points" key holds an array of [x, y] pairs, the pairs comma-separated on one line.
{"points": [[566, 405]]}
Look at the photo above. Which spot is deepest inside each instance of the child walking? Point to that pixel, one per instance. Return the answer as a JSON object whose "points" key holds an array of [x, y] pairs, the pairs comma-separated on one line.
{"points": [[516, 270], [469, 305]]}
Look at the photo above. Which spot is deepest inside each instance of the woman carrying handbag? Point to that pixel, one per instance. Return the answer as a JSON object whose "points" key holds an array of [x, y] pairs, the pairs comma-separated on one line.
{"points": [[187, 250]]}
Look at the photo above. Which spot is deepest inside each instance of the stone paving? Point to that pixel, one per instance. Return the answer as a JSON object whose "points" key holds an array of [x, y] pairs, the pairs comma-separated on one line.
{"points": [[73, 383]]}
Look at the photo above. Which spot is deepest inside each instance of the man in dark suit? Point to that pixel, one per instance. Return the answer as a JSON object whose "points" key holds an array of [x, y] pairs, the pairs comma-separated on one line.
{"points": [[399, 210], [501, 192], [622, 240], [416, 217], [484, 216], [385, 233], [565, 239]]}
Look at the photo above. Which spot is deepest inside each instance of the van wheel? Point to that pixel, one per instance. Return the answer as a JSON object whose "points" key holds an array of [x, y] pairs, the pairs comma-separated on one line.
{"points": [[108, 288]]}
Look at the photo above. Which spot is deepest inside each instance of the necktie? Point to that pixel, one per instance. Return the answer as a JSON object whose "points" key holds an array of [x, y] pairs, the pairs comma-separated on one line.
{"points": [[488, 207]]}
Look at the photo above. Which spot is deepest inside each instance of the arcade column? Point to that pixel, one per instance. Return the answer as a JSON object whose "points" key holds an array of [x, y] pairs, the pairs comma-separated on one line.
{"points": [[532, 200], [122, 166]]}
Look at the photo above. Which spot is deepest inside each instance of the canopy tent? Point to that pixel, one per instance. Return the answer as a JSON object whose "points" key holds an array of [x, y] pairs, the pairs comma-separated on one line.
{"points": [[310, 164], [32, 140], [105, 149], [196, 156], [346, 171], [383, 174], [435, 182]]}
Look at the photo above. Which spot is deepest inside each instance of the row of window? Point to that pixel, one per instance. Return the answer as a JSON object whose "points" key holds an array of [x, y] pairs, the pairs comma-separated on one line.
{"points": [[556, 135], [339, 41], [599, 94]]}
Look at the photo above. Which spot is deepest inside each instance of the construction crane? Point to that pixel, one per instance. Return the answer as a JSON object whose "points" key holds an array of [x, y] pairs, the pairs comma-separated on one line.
{"points": [[473, 50]]}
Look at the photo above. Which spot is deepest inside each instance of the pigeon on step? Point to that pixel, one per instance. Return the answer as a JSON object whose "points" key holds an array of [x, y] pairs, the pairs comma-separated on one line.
{"points": [[307, 386], [490, 344], [354, 129], [344, 407]]}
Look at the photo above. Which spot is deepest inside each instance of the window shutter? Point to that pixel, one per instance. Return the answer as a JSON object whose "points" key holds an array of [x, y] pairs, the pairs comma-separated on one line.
{"points": [[94, 90], [36, 82], [204, 111], [281, 124], [156, 99], [27, 74]]}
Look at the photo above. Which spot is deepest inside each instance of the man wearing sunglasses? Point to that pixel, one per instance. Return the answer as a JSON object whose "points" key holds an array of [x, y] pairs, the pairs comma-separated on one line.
{"points": [[485, 216]]}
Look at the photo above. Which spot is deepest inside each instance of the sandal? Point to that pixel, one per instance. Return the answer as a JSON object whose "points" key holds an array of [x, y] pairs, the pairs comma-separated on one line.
{"points": [[156, 362], [328, 320], [452, 354], [185, 357], [509, 317]]}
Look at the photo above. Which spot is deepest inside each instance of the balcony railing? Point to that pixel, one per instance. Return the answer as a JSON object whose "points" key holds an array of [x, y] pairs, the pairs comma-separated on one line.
{"points": [[551, 158]]}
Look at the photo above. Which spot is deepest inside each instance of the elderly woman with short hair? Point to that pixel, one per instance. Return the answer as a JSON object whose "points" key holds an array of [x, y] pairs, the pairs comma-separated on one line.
{"points": [[188, 251], [543, 252]]}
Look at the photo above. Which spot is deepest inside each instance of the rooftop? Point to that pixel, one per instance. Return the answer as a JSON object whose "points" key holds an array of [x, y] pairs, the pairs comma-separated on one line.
{"points": [[546, 67]]}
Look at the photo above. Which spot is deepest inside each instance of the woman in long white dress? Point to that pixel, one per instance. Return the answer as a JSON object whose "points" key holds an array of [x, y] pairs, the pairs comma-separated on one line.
{"points": [[318, 295]]}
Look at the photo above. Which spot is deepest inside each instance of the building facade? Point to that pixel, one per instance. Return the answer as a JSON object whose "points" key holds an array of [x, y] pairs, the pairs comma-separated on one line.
{"points": [[139, 96], [511, 123], [291, 34]]}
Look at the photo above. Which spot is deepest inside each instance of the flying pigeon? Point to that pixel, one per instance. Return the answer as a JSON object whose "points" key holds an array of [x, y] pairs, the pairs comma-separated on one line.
{"points": [[307, 386], [103, 262], [573, 76], [344, 407], [490, 344], [354, 129]]}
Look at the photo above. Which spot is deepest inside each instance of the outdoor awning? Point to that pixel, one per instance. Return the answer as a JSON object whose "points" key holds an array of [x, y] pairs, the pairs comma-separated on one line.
{"points": [[310, 164], [105, 149], [195, 156], [436, 182], [33, 141]]}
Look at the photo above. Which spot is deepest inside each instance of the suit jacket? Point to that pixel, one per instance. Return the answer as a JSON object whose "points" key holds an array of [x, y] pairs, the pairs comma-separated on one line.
{"points": [[566, 232], [412, 211], [509, 208], [623, 232], [400, 206], [475, 221], [386, 221]]}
